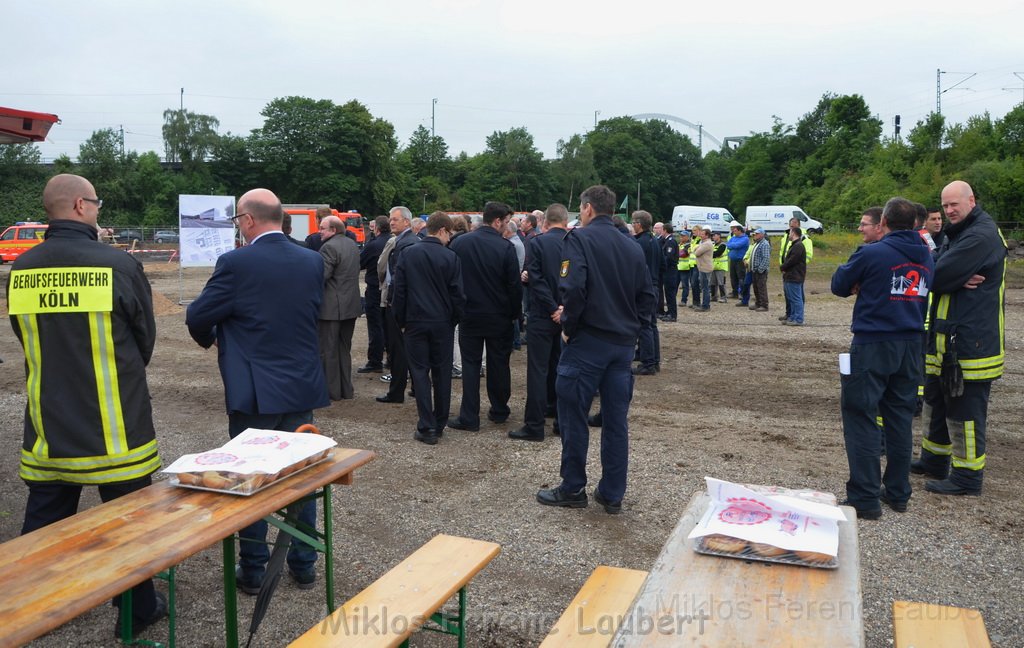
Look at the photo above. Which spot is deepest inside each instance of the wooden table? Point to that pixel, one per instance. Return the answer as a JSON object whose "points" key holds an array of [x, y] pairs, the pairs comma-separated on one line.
{"points": [[56, 573], [691, 599]]}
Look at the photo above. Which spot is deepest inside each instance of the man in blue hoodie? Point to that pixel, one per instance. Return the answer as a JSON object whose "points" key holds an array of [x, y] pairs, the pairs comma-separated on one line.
{"points": [[891, 279]]}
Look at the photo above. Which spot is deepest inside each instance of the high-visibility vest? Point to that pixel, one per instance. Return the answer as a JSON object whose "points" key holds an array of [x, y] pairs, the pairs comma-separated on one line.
{"points": [[686, 260], [721, 262]]}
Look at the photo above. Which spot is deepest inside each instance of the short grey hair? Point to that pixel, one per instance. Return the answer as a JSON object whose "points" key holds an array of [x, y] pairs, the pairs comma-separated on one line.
{"points": [[404, 211]]}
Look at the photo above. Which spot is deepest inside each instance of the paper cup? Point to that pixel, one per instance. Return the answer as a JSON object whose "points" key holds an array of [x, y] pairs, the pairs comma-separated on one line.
{"points": [[844, 364]]}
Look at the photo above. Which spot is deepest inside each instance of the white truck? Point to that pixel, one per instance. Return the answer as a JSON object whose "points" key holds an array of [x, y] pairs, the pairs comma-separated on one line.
{"points": [[774, 219], [716, 219]]}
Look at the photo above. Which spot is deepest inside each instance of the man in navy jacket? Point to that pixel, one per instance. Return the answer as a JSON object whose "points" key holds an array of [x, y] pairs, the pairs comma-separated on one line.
{"points": [[891, 279], [494, 297], [260, 308], [428, 303]]}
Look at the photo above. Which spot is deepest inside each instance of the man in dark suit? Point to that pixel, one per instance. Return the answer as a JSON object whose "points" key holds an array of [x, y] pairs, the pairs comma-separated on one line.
{"points": [[542, 336], [494, 297], [649, 349], [401, 225], [260, 308], [428, 302], [340, 308], [368, 256]]}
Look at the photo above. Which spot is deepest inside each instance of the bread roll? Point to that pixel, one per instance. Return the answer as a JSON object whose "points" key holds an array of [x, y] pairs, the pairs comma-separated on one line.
{"points": [[724, 544], [813, 557], [766, 550], [213, 479]]}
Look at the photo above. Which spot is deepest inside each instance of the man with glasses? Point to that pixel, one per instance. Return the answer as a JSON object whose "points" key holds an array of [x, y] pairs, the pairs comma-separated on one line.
{"points": [[260, 308], [870, 226], [84, 314]]}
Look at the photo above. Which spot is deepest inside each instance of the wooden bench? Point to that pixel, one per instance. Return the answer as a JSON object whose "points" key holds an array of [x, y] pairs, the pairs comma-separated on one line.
{"points": [[593, 617], [924, 625], [401, 601]]}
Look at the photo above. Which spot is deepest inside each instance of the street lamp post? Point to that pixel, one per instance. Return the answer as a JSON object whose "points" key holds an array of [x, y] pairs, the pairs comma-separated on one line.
{"points": [[424, 204]]}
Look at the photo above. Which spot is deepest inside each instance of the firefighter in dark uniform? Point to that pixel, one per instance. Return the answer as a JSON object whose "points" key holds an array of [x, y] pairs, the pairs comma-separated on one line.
{"points": [[966, 346], [606, 296], [544, 345], [494, 298], [649, 350], [83, 312], [428, 303], [670, 275]]}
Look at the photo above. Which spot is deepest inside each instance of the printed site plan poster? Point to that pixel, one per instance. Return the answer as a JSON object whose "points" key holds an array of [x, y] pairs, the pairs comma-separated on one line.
{"points": [[207, 230]]}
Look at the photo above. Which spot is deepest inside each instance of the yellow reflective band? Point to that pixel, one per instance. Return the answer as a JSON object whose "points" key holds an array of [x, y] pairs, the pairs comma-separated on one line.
{"points": [[879, 422], [942, 312], [970, 447], [920, 390], [61, 290], [105, 368], [89, 463], [970, 464], [33, 359], [943, 450], [124, 473]]}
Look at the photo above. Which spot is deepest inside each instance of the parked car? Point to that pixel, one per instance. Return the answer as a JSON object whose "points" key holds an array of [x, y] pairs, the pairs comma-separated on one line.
{"points": [[128, 235], [165, 236]]}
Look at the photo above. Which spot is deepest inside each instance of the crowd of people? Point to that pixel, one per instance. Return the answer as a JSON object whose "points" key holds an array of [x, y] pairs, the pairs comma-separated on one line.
{"points": [[447, 299]]}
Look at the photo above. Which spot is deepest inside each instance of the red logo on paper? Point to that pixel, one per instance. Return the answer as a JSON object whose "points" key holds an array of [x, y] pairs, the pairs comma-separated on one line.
{"points": [[214, 458], [262, 439], [746, 512]]}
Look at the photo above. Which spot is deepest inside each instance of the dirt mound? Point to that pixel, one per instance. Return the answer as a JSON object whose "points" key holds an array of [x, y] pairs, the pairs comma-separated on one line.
{"points": [[164, 306]]}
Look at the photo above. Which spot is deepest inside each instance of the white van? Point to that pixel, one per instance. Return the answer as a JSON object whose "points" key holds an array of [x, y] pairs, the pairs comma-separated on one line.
{"points": [[774, 219], [714, 218]]}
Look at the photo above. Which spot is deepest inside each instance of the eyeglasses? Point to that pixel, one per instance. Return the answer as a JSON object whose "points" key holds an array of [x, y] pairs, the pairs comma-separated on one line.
{"points": [[96, 201], [234, 219]]}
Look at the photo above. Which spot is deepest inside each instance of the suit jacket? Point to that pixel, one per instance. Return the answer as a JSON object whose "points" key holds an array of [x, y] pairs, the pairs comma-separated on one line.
{"points": [[368, 258], [402, 241], [428, 285], [490, 276], [341, 279], [261, 307]]}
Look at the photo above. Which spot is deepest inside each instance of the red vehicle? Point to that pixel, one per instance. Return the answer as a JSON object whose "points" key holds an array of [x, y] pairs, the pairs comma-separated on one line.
{"points": [[18, 238], [304, 221]]}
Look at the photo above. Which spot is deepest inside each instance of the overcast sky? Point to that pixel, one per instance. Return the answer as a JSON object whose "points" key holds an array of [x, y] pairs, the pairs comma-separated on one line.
{"points": [[493, 65]]}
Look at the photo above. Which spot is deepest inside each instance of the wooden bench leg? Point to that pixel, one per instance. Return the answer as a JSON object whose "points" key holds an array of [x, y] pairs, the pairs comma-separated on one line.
{"points": [[125, 615], [453, 624]]}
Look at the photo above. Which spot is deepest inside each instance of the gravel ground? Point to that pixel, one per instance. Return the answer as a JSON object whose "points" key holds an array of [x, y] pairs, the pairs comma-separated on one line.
{"points": [[739, 398]]}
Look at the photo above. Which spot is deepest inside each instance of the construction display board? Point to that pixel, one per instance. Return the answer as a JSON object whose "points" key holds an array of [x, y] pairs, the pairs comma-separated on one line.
{"points": [[207, 230]]}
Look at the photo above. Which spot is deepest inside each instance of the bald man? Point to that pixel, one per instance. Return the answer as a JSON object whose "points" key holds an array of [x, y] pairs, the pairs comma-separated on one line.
{"points": [[260, 307], [84, 313], [965, 346]]}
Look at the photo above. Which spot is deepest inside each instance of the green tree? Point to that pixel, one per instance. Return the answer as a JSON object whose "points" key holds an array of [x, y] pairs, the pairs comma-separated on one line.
{"points": [[972, 142], [1009, 132], [21, 183], [573, 170], [189, 137], [511, 170], [926, 136], [316, 151]]}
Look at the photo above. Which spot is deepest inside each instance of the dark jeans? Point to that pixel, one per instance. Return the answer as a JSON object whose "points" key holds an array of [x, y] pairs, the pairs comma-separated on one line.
{"points": [[253, 551], [589, 366], [496, 336], [429, 347], [761, 289], [544, 348], [684, 285], [882, 382], [52, 502], [794, 292], [374, 328], [748, 281], [736, 275], [704, 279]]}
